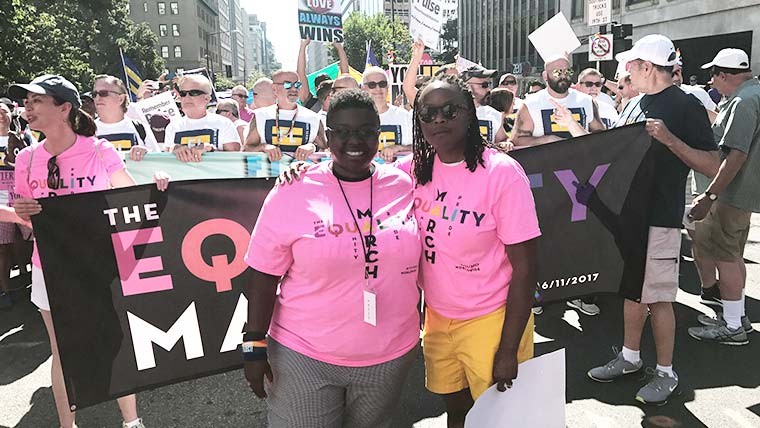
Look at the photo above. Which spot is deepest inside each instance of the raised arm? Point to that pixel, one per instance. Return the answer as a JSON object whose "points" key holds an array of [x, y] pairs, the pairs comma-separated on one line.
{"points": [[303, 93], [342, 58], [410, 79]]}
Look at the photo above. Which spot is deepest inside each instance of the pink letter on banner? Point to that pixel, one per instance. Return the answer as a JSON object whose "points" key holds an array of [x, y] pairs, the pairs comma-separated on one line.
{"points": [[130, 268], [221, 270]]}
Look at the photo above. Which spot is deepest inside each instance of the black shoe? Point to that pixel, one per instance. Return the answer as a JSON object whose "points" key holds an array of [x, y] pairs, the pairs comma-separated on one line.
{"points": [[711, 296]]}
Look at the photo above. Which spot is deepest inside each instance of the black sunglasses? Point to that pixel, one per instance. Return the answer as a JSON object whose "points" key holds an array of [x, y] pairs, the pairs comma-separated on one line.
{"points": [[223, 111], [592, 84], [509, 82], [192, 93], [484, 85], [361, 133], [449, 111], [381, 84], [240, 95], [54, 173], [104, 93]]}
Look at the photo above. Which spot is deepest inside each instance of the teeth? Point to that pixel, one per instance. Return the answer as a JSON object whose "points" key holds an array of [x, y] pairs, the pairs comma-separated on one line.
{"points": [[354, 153]]}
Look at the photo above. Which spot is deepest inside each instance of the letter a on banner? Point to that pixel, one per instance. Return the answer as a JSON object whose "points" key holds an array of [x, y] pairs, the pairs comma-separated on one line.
{"points": [[321, 20]]}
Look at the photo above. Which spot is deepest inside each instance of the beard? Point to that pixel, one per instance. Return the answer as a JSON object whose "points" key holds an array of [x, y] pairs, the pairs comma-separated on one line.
{"points": [[560, 85]]}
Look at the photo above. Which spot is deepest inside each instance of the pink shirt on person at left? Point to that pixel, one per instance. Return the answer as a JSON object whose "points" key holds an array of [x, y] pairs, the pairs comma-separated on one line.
{"points": [[82, 170], [306, 233], [246, 114]]}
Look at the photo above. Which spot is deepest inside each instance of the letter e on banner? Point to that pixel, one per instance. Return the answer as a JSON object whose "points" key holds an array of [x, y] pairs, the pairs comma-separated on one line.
{"points": [[130, 268], [221, 270], [144, 335]]}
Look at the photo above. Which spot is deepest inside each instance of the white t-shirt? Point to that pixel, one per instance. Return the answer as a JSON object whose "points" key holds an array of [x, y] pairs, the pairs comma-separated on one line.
{"points": [[489, 120], [516, 104], [608, 114], [603, 98], [542, 112], [323, 118], [210, 129], [124, 134], [291, 133], [701, 95], [395, 127]]}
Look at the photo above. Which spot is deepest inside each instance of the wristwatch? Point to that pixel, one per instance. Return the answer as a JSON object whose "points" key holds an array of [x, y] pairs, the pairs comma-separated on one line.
{"points": [[711, 196]]}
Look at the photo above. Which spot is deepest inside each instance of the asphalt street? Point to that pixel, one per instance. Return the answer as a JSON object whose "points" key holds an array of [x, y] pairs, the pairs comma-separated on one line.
{"points": [[719, 385]]}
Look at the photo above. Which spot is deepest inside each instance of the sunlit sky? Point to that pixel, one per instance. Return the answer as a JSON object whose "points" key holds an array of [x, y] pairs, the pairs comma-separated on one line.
{"points": [[281, 17]]}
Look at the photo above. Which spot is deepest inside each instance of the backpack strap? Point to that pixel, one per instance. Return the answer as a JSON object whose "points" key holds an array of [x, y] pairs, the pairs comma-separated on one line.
{"points": [[140, 130]]}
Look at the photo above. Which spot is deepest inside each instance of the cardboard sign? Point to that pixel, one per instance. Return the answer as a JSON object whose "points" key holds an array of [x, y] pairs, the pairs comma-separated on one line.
{"points": [[321, 20], [425, 21], [599, 12], [600, 47], [555, 37]]}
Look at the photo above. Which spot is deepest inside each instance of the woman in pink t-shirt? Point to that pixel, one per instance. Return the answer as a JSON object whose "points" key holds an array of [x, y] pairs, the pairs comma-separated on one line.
{"points": [[478, 226], [52, 106], [343, 246]]}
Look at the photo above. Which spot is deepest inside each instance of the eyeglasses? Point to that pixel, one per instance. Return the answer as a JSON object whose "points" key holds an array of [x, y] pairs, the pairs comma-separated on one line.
{"points": [[509, 82], [592, 84], [104, 93], [372, 85], [222, 111], [54, 173], [240, 95], [347, 133], [484, 85], [428, 114], [288, 84], [563, 71], [192, 93]]}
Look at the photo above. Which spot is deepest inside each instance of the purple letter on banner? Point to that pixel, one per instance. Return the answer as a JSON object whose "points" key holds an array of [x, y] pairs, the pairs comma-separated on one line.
{"points": [[567, 178]]}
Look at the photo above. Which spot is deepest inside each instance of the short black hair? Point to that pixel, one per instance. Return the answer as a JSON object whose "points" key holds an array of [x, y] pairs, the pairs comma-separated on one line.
{"points": [[324, 89], [321, 78], [668, 69], [351, 98]]}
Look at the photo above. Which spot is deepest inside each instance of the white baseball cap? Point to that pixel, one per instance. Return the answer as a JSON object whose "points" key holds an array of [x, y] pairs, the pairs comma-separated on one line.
{"points": [[730, 58], [654, 48]]}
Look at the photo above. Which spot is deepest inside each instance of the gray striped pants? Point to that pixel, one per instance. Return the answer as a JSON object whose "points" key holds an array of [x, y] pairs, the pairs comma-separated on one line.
{"points": [[308, 393]]}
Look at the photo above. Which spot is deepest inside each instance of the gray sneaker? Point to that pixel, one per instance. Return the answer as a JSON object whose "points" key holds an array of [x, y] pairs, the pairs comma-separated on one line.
{"points": [[658, 390], [614, 369], [537, 310], [705, 320], [719, 334], [139, 424], [589, 309]]}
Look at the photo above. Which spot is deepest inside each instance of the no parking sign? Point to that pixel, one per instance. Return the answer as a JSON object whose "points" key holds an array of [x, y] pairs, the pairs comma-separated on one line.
{"points": [[600, 47]]}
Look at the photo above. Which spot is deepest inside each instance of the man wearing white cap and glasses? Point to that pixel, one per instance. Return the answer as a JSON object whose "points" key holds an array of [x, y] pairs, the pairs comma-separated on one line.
{"points": [[682, 140], [733, 195]]}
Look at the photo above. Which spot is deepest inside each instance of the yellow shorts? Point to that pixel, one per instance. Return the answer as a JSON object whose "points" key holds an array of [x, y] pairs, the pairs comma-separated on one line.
{"points": [[459, 353]]}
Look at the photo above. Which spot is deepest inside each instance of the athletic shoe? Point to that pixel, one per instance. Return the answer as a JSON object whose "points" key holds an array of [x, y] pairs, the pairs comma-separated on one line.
{"points": [[587, 308], [711, 296], [139, 424], [705, 320], [614, 369], [658, 390], [6, 302], [538, 310], [719, 334]]}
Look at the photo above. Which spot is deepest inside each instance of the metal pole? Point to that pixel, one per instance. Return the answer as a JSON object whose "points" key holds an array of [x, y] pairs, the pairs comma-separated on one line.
{"points": [[208, 62], [393, 24]]}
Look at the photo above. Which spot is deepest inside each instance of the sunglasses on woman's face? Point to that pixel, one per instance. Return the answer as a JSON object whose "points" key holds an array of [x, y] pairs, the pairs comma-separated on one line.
{"points": [[362, 134], [449, 111], [382, 84], [509, 82], [191, 92], [104, 93], [592, 84], [54, 173]]}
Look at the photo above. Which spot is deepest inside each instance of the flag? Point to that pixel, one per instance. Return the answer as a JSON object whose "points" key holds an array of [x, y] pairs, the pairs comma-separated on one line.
{"points": [[371, 59], [132, 77]]}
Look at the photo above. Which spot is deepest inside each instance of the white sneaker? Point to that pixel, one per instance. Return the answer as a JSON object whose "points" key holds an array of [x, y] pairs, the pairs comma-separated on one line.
{"points": [[537, 310], [587, 308]]}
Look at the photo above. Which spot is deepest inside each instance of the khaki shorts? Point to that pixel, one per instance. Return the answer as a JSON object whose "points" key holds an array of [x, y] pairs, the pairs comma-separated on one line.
{"points": [[723, 234], [663, 259]]}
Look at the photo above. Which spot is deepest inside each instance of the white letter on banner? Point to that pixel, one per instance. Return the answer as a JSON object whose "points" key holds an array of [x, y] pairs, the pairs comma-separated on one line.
{"points": [[144, 335], [234, 336]]}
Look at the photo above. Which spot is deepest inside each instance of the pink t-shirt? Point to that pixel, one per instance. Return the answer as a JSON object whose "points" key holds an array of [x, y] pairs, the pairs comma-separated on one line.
{"points": [[82, 170], [466, 218], [305, 232], [246, 114]]}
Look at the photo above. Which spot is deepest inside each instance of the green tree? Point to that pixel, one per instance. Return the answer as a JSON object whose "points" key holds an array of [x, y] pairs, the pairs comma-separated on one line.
{"points": [[222, 83], [383, 34], [253, 77], [449, 37]]}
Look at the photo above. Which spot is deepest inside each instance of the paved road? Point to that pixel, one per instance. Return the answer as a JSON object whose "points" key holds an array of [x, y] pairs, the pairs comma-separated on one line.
{"points": [[720, 386]]}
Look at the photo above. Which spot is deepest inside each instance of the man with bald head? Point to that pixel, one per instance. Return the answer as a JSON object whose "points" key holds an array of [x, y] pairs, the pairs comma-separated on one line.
{"points": [[395, 122], [285, 126], [263, 95]]}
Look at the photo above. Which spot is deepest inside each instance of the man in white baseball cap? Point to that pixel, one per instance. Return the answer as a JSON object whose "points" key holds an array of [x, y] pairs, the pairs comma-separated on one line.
{"points": [[681, 140], [727, 204]]}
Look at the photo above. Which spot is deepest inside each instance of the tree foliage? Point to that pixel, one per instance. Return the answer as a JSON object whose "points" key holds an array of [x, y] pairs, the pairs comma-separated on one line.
{"points": [[381, 32], [253, 77], [449, 40], [76, 39]]}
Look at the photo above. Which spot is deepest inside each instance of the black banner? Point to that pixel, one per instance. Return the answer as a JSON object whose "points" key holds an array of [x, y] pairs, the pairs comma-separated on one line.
{"points": [[145, 287]]}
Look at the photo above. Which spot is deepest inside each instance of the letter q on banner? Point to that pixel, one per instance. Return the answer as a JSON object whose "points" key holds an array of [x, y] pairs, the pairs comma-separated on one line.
{"points": [[221, 271]]}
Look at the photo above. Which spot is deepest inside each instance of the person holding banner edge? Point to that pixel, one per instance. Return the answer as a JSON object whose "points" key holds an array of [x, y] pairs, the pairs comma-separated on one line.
{"points": [[53, 107], [304, 94]]}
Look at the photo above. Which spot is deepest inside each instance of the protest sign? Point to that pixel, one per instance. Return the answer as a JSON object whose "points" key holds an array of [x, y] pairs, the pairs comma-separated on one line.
{"points": [[159, 103], [600, 47], [321, 20], [555, 37], [156, 267], [425, 21], [599, 12], [332, 70], [397, 73]]}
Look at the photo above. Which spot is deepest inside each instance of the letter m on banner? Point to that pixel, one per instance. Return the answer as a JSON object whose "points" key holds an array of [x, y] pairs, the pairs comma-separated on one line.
{"points": [[132, 77]]}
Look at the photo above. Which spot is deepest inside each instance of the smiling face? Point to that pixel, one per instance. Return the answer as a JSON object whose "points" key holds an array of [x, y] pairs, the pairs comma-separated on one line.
{"points": [[379, 95], [353, 139], [558, 75], [444, 132], [285, 96]]}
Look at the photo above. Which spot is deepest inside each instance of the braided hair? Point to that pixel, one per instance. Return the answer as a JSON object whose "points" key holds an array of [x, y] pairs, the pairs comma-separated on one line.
{"points": [[424, 154]]}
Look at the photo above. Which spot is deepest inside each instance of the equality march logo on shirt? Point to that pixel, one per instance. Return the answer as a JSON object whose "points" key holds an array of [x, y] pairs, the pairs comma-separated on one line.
{"points": [[486, 129], [390, 135], [122, 141], [197, 137], [551, 127], [445, 215], [287, 137]]}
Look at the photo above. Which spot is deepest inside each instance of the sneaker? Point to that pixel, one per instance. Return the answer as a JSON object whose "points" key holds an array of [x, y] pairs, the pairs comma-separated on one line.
{"points": [[139, 424], [538, 310], [614, 369], [711, 296], [658, 390], [6, 302], [587, 308], [719, 333], [705, 320]]}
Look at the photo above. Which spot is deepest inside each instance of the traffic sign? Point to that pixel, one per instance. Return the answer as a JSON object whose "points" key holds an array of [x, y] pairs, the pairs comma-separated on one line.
{"points": [[600, 47], [599, 12]]}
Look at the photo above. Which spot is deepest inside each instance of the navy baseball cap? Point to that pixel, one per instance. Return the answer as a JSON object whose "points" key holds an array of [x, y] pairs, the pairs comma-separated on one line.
{"points": [[47, 84]]}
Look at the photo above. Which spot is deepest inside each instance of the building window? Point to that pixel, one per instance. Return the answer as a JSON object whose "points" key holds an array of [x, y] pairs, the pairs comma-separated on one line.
{"points": [[162, 8], [175, 30], [578, 9], [145, 7], [164, 51], [162, 30], [178, 52], [174, 7]]}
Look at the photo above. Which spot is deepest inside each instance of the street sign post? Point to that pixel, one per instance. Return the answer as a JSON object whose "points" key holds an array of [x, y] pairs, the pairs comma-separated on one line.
{"points": [[599, 12]]}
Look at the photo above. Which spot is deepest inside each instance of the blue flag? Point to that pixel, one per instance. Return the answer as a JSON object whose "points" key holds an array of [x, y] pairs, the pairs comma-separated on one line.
{"points": [[371, 59], [132, 77]]}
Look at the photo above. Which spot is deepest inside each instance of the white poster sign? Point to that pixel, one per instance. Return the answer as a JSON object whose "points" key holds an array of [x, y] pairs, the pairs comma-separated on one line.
{"points": [[554, 37], [163, 102], [600, 47], [320, 20], [425, 21], [599, 12]]}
